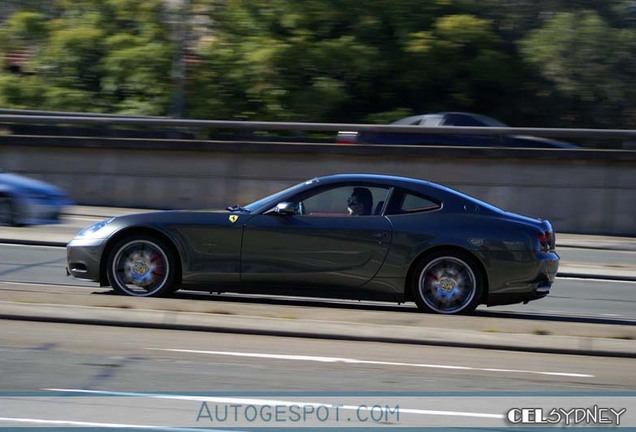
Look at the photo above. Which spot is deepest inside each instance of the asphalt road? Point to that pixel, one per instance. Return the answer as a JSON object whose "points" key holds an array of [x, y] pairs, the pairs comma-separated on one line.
{"points": [[98, 368], [618, 259], [38, 356], [114, 363], [577, 297]]}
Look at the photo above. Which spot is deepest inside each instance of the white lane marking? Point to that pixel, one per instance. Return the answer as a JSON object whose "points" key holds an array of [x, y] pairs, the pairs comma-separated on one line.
{"points": [[54, 285], [585, 279], [368, 362], [86, 217], [267, 402], [102, 425], [31, 245]]}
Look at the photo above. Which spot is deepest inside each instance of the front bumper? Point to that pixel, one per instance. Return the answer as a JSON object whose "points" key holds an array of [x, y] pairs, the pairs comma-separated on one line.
{"points": [[39, 211], [83, 257]]}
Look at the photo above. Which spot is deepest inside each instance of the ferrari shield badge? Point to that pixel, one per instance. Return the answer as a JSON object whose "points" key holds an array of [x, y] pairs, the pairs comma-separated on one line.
{"points": [[233, 218]]}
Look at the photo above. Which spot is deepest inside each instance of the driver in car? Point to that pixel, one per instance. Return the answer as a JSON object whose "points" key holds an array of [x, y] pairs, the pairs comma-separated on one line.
{"points": [[360, 202]]}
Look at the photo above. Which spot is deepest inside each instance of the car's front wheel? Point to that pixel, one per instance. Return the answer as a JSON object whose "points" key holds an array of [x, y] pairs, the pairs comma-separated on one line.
{"points": [[447, 283], [142, 266]]}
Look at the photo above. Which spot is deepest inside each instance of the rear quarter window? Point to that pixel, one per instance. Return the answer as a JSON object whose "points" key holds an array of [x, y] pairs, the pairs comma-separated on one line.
{"points": [[408, 202]]}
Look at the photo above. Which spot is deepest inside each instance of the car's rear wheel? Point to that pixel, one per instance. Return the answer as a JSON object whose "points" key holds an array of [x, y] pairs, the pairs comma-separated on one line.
{"points": [[142, 266], [7, 211], [447, 282]]}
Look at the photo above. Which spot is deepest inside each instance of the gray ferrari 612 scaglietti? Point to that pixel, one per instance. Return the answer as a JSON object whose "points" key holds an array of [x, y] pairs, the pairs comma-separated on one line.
{"points": [[343, 236]]}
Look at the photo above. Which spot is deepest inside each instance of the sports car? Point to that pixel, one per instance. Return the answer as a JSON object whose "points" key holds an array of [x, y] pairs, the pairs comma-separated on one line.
{"points": [[347, 236], [451, 119]]}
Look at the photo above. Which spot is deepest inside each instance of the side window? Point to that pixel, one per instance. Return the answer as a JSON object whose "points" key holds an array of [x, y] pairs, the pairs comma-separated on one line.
{"points": [[462, 120], [408, 202], [354, 200], [413, 120], [431, 120]]}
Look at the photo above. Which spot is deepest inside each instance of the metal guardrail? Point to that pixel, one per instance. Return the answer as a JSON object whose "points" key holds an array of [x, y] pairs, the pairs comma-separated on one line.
{"points": [[4, 111], [165, 122], [33, 127], [208, 163]]}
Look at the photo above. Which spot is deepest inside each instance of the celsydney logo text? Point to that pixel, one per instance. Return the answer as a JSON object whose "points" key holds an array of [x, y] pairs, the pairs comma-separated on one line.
{"points": [[594, 415]]}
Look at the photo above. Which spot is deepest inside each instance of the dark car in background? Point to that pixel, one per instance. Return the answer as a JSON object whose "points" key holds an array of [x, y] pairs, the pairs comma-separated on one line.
{"points": [[27, 201], [344, 236], [450, 119]]}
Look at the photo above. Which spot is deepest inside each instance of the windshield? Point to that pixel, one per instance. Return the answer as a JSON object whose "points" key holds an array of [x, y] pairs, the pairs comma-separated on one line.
{"points": [[413, 120], [273, 199]]}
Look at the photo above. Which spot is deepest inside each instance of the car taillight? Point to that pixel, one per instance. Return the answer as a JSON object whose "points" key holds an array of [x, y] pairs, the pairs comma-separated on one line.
{"points": [[545, 240]]}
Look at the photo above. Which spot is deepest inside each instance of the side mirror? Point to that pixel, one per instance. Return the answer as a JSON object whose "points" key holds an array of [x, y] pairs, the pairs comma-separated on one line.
{"points": [[285, 208]]}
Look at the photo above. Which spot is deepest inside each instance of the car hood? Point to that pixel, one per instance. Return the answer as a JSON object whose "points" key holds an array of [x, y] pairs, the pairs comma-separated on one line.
{"points": [[26, 183], [171, 217], [164, 220]]}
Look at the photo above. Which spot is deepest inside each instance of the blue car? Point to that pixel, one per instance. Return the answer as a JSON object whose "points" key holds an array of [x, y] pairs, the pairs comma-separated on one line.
{"points": [[26, 201]]}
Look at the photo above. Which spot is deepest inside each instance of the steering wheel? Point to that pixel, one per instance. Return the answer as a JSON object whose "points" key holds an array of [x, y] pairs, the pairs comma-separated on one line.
{"points": [[300, 208]]}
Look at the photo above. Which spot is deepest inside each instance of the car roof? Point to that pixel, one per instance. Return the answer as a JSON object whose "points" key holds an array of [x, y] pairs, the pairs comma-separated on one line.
{"points": [[380, 178], [420, 117], [404, 182], [416, 185]]}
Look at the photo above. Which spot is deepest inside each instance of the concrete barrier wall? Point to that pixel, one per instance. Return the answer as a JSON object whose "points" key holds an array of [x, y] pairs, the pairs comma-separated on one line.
{"points": [[577, 192]]}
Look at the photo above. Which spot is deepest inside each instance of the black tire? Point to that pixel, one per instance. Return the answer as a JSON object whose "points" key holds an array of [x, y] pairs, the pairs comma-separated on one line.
{"points": [[142, 266], [8, 215], [447, 282]]}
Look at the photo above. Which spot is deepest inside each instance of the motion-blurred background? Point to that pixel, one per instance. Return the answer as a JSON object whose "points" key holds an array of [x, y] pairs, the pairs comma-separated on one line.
{"points": [[539, 64], [545, 63]]}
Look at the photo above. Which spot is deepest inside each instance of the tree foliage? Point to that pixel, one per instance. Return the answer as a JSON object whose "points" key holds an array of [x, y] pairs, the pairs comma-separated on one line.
{"points": [[528, 62], [90, 55], [590, 64]]}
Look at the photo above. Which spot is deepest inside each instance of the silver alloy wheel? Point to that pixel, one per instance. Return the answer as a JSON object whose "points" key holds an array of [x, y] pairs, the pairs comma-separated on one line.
{"points": [[141, 268], [447, 285]]}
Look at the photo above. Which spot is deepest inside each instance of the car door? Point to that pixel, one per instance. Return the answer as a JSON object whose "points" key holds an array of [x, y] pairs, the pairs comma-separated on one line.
{"points": [[320, 245], [210, 244], [477, 140]]}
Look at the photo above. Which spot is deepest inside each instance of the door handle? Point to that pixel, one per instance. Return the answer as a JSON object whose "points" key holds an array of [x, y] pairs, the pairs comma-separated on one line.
{"points": [[380, 236]]}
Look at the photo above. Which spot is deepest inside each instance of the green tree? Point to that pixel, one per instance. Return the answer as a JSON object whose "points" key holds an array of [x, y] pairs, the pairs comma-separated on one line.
{"points": [[589, 65], [91, 55], [530, 63], [459, 65], [514, 19], [329, 60]]}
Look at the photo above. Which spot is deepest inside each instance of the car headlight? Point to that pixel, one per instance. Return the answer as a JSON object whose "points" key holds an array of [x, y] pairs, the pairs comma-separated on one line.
{"points": [[91, 230]]}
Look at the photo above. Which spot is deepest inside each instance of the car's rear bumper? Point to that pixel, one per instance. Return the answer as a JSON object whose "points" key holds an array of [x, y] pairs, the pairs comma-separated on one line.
{"points": [[536, 287], [83, 258]]}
